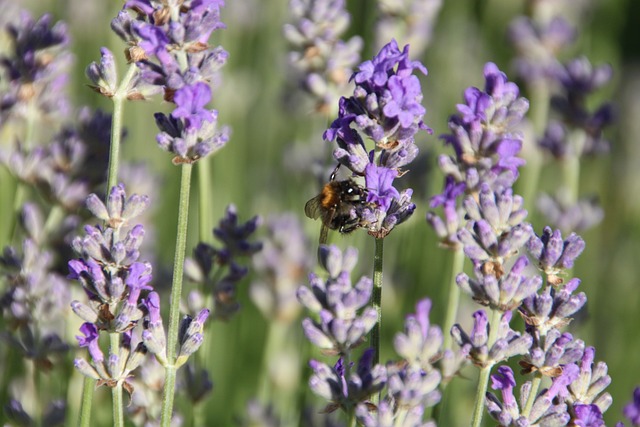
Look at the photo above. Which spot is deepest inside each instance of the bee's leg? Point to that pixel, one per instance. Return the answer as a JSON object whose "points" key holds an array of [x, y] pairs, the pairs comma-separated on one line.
{"points": [[349, 225]]}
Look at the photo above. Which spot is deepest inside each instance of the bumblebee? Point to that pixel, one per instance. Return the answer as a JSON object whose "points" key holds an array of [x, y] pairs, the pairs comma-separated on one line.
{"points": [[334, 206]]}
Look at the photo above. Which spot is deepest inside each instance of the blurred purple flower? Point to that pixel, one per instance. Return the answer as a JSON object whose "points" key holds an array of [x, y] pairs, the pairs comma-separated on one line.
{"points": [[632, 409], [587, 416], [343, 387], [322, 61], [410, 22]]}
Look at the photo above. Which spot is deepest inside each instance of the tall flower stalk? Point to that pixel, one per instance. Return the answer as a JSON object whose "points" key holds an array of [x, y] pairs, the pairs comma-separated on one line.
{"points": [[169, 54], [384, 108], [322, 61], [486, 142]]}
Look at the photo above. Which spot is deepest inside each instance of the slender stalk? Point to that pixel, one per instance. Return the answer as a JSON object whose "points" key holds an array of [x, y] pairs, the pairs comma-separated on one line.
{"points": [[483, 382], [168, 394], [485, 372], [453, 302], [275, 334], [205, 219], [352, 418], [87, 399], [539, 114], [118, 100], [571, 165], [116, 392], [176, 293], [20, 195], [118, 414], [377, 298], [535, 385], [55, 217]]}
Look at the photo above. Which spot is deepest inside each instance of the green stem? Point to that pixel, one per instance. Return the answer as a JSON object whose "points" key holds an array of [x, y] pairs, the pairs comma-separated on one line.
{"points": [[118, 414], [87, 398], [272, 347], [457, 265], [118, 100], [535, 385], [539, 114], [167, 395], [571, 165], [485, 372], [55, 217], [116, 392], [377, 298], [483, 383], [176, 293], [205, 219], [352, 418]]}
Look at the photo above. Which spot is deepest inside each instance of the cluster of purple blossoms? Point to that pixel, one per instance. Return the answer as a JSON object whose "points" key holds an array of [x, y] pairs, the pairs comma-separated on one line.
{"points": [[217, 270], [68, 166], [340, 327], [169, 46], [574, 129], [54, 158], [575, 132], [342, 324], [34, 303], [114, 281], [484, 135], [412, 383], [495, 236], [344, 318], [486, 144], [36, 69], [538, 44], [36, 296], [507, 343], [385, 107], [323, 61], [575, 396]]}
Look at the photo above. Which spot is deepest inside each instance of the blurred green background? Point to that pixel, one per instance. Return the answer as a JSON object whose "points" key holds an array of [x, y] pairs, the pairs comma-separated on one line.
{"points": [[256, 172]]}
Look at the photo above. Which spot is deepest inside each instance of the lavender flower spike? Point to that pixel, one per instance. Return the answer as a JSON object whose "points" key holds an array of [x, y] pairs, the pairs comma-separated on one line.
{"points": [[483, 134], [338, 328], [343, 387], [509, 343], [554, 254], [421, 342], [323, 62], [385, 104]]}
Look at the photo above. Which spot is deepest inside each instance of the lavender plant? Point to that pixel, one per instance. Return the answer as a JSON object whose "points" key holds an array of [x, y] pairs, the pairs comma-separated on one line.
{"points": [[493, 236], [74, 209], [484, 166], [322, 60], [565, 127], [385, 107]]}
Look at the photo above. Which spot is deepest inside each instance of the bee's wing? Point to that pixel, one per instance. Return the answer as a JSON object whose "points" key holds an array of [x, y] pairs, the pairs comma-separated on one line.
{"points": [[312, 208], [324, 232]]}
